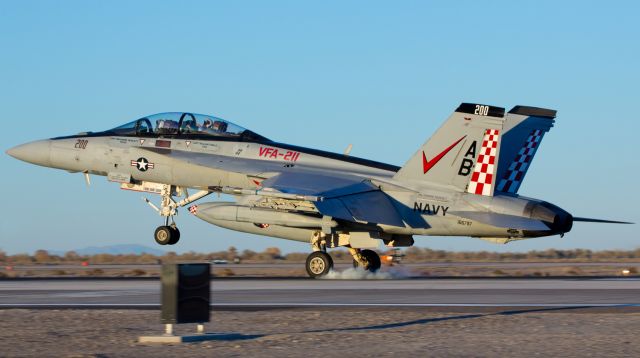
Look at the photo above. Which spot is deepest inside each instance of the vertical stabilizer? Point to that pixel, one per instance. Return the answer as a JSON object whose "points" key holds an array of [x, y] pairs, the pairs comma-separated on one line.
{"points": [[462, 153], [524, 128]]}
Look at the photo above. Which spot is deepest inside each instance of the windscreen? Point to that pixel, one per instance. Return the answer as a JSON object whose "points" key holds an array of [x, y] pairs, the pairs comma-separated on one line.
{"points": [[174, 123]]}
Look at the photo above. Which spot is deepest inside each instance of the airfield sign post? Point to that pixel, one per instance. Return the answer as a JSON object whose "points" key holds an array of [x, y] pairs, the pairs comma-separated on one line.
{"points": [[185, 296]]}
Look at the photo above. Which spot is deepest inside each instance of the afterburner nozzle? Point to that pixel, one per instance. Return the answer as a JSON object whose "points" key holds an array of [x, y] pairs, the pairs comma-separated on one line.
{"points": [[557, 219]]}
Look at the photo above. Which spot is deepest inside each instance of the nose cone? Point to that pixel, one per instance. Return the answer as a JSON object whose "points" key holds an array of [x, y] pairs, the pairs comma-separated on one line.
{"points": [[38, 152]]}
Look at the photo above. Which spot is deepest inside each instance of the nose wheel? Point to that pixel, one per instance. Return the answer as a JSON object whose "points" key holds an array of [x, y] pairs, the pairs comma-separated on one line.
{"points": [[167, 235]]}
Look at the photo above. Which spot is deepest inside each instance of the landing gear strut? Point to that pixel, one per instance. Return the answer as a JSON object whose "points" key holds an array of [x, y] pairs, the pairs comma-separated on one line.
{"points": [[168, 234]]}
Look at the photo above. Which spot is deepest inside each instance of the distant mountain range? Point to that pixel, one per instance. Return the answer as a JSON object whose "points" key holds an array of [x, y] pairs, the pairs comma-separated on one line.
{"points": [[115, 250]]}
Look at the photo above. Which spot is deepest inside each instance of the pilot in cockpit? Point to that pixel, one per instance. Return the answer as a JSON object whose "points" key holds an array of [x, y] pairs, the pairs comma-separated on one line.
{"points": [[190, 126], [207, 124], [220, 126], [165, 126]]}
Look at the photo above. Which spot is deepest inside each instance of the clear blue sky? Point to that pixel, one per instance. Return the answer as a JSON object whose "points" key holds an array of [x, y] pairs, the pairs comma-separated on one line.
{"points": [[380, 75]]}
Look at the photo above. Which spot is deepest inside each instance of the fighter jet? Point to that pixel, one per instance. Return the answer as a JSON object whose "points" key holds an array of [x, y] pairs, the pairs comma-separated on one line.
{"points": [[463, 181]]}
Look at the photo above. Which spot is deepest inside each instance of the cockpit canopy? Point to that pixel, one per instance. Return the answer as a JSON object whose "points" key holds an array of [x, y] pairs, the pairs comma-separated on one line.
{"points": [[182, 123]]}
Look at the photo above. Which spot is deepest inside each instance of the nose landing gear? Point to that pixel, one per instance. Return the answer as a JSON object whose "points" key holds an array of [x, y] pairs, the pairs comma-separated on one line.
{"points": [[167, 235]]}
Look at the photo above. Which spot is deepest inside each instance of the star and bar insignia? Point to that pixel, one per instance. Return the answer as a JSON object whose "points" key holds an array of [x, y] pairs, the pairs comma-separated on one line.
{"points": [[142, 164]]}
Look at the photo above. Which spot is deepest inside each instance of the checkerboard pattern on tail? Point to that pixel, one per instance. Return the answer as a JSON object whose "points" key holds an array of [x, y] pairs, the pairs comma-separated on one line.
{"points": [[482, 177], [513, 178]]}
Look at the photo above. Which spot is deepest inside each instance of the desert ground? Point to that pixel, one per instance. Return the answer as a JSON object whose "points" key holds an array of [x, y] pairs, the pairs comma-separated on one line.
{"points": [[330, 332]]}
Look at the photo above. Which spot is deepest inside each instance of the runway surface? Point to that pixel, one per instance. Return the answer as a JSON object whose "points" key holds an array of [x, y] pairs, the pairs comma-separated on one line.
{"points": [[308, 292], [507, 264]]}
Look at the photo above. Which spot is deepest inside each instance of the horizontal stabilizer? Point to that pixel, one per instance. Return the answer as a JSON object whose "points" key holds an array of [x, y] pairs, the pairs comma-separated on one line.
{"points": [[371, 207], [502, 220], [501, 240], [588, 220]]}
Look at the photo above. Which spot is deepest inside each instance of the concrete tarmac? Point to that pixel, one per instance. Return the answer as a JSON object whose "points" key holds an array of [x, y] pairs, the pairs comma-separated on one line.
{"points": [[502, 264], [337, 292]]}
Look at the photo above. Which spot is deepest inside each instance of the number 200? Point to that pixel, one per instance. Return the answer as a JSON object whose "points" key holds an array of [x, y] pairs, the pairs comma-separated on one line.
{"points": [[481, 110]]}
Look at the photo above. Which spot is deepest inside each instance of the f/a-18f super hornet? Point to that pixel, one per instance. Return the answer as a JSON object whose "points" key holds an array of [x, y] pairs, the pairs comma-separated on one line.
{"points": [[463, 181]]}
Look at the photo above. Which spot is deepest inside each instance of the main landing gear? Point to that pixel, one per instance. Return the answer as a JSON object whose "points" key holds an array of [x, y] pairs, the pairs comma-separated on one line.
{"points": [[319, 262], [368, 260]]}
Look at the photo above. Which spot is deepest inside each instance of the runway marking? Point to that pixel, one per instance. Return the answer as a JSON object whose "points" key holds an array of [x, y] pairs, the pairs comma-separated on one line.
{"points": [[430, 304], [281, 304]]}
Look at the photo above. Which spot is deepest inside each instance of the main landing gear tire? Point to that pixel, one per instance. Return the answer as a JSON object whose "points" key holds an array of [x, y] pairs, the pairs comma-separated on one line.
{"points": [[167, 235], [373, 260], [318, 264]]}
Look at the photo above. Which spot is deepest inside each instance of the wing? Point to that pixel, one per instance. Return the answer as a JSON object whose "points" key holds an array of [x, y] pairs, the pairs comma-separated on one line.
{"points": [[342, 195]]}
